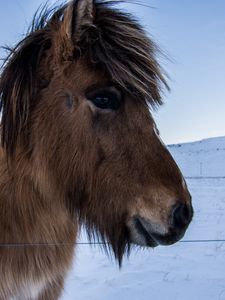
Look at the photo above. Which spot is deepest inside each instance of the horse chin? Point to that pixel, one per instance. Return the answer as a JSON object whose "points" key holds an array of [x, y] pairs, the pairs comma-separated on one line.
{"points": [[143, 238], [140, 235]]}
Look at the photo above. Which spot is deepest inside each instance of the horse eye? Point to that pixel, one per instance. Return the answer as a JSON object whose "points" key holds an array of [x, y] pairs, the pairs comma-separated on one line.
{"points": [[106, 98]]}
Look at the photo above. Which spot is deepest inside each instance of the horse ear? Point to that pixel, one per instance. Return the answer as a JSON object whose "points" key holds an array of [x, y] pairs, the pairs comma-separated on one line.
{"points": [[83, 17], [78, 16]]}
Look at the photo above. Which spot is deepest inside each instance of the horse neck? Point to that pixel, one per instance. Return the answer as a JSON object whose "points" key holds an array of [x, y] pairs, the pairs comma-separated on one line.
{"points": [[32, 207]]}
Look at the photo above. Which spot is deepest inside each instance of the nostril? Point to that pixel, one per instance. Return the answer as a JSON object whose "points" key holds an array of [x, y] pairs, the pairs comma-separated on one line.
{"points": [[181, 215]]}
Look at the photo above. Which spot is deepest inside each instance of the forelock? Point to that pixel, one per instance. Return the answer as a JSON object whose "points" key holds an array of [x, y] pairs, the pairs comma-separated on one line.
{"points": [[119, 45]]}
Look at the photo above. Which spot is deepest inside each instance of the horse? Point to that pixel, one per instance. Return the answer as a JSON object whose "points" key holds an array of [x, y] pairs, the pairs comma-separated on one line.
{"points": [[79, 146]]}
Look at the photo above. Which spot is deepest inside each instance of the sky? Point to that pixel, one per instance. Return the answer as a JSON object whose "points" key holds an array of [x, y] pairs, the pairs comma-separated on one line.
{"points": [[192, 35]]}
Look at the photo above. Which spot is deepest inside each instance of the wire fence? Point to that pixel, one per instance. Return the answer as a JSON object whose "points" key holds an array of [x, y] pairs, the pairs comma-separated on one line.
{"points": [[204, 177], [200, 170], [12, 245]]}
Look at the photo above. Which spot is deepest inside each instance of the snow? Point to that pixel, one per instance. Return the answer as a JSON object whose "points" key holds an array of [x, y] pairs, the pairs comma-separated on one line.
{"points": [[203, 158], [182, 271]]}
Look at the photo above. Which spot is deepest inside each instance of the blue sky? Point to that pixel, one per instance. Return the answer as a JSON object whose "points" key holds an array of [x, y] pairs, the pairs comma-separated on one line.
{"points": [[192, 34]]}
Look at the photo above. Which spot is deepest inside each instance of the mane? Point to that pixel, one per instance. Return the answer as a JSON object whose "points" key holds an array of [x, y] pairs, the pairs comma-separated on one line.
{"points": [[117, 44]]}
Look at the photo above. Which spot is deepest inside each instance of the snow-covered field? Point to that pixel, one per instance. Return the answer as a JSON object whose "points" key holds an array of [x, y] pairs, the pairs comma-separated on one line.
{"points": [[204, 158], [184, 271]]}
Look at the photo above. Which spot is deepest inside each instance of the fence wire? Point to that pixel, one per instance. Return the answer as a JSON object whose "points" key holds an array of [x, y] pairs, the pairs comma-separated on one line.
{"points": [[46, 244], [11, 245]]}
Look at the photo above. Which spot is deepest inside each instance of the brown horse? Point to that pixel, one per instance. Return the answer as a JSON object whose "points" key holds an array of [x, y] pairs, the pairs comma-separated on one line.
{"points": [[79, 146]]}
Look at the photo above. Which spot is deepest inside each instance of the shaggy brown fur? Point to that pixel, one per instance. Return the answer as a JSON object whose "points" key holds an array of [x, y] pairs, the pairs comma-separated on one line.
{"points": [[65, 162]]}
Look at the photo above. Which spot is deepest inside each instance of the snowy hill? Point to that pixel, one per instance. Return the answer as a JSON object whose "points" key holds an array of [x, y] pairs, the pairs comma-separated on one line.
{"points": [[184, 271], [204, 158]]}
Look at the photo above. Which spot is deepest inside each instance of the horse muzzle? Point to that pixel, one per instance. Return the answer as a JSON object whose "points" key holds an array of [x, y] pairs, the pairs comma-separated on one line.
{"points": [[144, 232]]}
